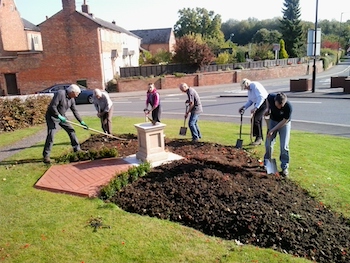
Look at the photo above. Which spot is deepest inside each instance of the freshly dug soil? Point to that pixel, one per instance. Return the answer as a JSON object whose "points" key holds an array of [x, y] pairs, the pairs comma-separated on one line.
{"points": [[224, 192]]}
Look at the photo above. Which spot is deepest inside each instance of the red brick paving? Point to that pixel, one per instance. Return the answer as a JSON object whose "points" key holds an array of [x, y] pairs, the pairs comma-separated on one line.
{"points": [[81, 178]]}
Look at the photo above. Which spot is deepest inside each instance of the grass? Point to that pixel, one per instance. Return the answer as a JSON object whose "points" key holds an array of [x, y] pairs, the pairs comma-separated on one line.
{"points": [[40, 226], [19, 134]]}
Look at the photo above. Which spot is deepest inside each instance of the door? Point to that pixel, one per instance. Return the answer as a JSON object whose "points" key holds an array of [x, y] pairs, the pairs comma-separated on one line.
{"points": [[11, 84]]}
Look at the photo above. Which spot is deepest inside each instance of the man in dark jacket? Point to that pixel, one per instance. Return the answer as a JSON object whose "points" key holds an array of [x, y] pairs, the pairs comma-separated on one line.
{"points": [[55, 115]]}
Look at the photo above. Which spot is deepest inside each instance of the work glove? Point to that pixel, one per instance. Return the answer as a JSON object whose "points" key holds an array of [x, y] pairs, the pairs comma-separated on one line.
{"points": [[242, 110], [84, 124], [146, 111], [62, 119]]}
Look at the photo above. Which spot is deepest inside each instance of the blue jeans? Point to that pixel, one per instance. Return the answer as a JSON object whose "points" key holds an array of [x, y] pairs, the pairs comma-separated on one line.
{"points": [[284, 134], [192, 124]]}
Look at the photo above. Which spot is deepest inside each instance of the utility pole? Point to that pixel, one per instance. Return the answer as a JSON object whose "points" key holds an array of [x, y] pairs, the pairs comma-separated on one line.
{"points": [[315, 46]]}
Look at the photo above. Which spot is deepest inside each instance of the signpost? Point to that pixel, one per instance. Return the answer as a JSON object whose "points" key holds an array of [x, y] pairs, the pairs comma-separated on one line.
{"points": [[276, 48]]}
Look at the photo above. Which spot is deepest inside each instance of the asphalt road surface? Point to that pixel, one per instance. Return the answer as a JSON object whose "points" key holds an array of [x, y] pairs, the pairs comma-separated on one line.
{"points": [[326, 111]]}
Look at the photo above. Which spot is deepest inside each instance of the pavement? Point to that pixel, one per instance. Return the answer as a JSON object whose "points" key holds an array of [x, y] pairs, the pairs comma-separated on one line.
{"points": [[85, 178]]}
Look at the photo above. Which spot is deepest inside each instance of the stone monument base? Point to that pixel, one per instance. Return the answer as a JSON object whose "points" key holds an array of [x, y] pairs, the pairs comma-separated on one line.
{"points": [[151, 142]]}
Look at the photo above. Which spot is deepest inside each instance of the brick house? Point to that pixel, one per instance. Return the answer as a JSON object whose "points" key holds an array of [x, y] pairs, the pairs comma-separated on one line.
{"points": [[19, 43], [154, 40], [34, 41], [77, 48]]}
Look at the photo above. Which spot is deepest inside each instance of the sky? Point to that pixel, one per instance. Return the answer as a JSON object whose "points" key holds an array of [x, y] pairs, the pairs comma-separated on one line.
{"points": [[142, 14]]}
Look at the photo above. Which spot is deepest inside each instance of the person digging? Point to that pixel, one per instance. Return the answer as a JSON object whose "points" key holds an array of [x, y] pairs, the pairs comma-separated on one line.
{"points": [[257, 95]]}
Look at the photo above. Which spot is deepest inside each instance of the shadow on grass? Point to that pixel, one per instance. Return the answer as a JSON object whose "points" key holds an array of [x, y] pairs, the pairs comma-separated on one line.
{"points": [[23, 161]]}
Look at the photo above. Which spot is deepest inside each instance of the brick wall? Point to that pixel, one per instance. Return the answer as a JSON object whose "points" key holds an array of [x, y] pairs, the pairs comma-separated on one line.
{"points": [[219, 78], [13, 37]]}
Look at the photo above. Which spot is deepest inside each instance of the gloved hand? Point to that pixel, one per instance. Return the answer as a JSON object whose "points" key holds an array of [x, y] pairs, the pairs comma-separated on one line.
{"points": [[62, 119], [146, 111], [242, 110], [84, 124]]}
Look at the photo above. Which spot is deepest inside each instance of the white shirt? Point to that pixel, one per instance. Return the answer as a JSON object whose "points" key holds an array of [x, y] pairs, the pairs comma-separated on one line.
{"points": [[256, 95]]}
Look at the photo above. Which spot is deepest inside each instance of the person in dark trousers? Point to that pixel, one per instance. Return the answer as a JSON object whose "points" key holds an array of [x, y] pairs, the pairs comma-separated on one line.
{"points": [[280, 112], [104, 107], [194, 108], [257, 95], [55, 115], [153, 99]]}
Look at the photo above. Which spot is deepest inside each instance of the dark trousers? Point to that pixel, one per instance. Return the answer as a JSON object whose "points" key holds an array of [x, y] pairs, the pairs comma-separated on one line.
{"points": [[52, 128], [156, 114], [106, 121], [257, 124]]}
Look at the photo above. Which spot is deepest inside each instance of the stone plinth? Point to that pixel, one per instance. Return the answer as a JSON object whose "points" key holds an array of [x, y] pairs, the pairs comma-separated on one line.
{"points": [[300, 84], [151, 142]]}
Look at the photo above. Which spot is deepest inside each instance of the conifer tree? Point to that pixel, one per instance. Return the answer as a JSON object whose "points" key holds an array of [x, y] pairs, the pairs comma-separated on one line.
{"points": [[291, 28], [283, 53]]}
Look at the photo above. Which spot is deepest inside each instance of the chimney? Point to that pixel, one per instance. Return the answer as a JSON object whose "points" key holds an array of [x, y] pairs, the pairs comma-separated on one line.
{"points": [[68, 5], [85, 8]]}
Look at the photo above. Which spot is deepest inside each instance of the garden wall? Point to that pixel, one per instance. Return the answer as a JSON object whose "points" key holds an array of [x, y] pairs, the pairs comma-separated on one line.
{"points": [[218, 78]]}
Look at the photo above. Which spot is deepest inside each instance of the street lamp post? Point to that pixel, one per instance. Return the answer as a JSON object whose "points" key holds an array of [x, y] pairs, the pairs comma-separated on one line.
{"points": [[341, 19], [315, 46]]}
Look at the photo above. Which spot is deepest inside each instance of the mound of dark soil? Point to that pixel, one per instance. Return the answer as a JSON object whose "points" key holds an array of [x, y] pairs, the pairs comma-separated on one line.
{"points": [[224, 192]]}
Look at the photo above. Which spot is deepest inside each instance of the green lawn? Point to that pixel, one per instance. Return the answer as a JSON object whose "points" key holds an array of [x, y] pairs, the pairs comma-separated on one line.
{"points": [[40, 226]]}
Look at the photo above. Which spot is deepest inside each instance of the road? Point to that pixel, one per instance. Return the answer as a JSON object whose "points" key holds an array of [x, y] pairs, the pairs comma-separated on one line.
{"points": [[326, 111]]}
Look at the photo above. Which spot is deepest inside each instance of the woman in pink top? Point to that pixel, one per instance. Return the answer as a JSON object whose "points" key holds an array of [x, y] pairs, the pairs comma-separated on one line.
{"points": [[153, 99]]}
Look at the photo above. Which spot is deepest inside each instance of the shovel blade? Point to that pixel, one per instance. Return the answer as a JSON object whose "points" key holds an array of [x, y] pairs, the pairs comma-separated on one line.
{"points": [[271, 166], [239, 143], [183, 131]]}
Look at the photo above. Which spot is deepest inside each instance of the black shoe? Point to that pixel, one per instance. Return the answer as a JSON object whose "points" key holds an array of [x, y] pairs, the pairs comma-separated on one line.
{"points": [[284, 173]]}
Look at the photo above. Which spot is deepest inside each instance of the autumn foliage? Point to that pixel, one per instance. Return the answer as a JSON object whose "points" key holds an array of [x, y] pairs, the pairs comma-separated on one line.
{"points": [[190, 50]]}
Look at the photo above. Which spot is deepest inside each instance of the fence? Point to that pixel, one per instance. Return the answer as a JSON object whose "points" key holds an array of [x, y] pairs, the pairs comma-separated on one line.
{"points": [[170, 69]]}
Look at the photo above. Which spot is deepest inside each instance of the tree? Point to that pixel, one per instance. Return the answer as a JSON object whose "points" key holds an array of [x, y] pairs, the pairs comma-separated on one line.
{"points": [[244, 30], [199, 21], [266, 36], [283, 53], [190, 50], [291, 28]]}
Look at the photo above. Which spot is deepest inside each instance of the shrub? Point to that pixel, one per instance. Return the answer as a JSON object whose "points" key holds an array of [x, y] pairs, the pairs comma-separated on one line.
{"points": [[123, 179], [87, 155], [179, 75], [17, 113], [223, 58]]}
